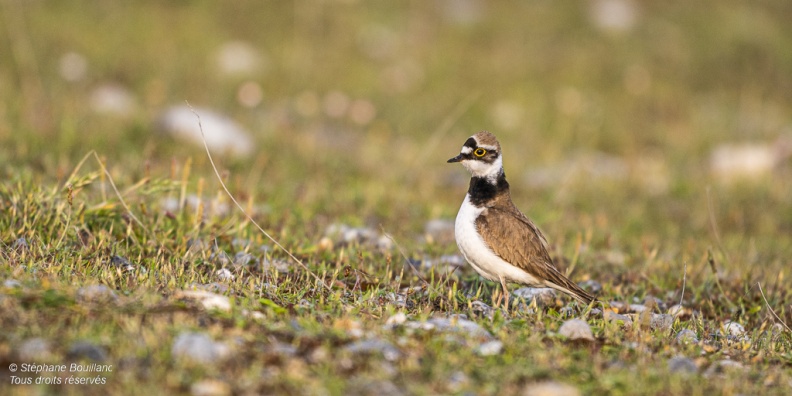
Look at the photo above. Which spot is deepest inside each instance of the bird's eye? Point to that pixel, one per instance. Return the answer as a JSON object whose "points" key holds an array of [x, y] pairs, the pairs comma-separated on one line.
{"points": [[480, 152]]}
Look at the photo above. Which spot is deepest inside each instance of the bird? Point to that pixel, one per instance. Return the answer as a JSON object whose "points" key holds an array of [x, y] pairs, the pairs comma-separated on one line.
{"points": [[495, 237]]}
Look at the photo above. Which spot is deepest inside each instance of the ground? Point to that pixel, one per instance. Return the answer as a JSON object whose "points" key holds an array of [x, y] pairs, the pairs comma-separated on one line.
{"points": [[650, 142]]}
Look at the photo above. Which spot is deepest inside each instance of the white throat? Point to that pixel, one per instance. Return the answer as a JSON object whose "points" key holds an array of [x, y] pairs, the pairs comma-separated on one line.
{"points": [[483, 169]]}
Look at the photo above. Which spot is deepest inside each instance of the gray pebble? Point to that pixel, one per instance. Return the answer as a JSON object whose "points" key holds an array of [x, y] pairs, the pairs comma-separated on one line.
{"points": [[458, 323], [96, 294], [242, 259], [20, 244], [544, 296], [87, 350], [591, 286], [489, 348], [685, 337], [733, 328], [661, 322], [612, 317], [35, 349], [723, 367], [12, 284], [222, 134], [369, 346], [198, 348], [681, 364], [576, 329]]}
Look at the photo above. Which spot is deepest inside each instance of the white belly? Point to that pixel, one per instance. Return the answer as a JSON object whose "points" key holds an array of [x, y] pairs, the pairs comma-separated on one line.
{"points": [[479, 255]]}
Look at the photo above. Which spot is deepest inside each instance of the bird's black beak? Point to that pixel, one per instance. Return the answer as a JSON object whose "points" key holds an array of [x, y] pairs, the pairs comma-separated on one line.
{"points": [[458, 158]]}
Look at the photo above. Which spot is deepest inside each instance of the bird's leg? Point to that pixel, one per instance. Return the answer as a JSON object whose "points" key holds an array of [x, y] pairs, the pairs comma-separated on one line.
{"points": [[505, 293]]}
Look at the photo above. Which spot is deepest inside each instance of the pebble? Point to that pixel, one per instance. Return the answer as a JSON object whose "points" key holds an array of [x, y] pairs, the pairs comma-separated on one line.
{"points": [[550, 388], [210, 387], [12, 284], [20, 244], [239, 59], [733, 328], [87, 350], [482, 308], [397, 319], [222, 134], [112, 99], [676, 310], [224, 274], [369, 346], [489, 348], [661, 322], [457, 323], [198, 348], [281, 266], [723, 367], [544, 296], [681, 364], [686, 337], [576, 329], [208, 300], [613, 317], [242, 259], [457, 381], [96, 294], [591, 286], [637, 308], [35, 350], [732, 162]]}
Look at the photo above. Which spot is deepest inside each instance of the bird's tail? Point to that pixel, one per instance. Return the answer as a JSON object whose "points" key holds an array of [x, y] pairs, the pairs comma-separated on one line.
{"points": [[572, 289]]}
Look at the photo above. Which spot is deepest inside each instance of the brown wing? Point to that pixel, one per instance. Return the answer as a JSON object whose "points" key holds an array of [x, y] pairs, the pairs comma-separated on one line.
{"points": [[515, 239]]}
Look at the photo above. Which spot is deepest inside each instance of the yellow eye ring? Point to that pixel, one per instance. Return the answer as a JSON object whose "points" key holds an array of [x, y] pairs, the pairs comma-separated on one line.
{"points": [[480, 152]]}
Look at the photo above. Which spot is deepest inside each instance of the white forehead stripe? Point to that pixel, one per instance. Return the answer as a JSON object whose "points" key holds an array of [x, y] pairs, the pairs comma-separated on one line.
{"points": [[488, 147], [466, 150]]}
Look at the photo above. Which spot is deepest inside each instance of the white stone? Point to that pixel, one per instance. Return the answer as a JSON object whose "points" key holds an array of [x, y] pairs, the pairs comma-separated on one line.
{"points": [[223, 135], [576, 329]]}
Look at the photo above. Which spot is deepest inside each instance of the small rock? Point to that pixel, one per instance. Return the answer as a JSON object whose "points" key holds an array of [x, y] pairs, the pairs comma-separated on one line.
{"points": [[619, 307], [198, 348], [681, 364], [576, 329], [207, 299], [220, 258], [686, 337], [239, 59], [637, 308], [396, 320], [457, 381], [550, 388], [676, 310], [210, 387], [96, 294], [439, 231], [591, 286], [731, 162], [112, 99], [733, 328], [482, 308], [20, 244], [723, 367], [12, 284], [281, 266], [87, 350], [222, 134], [398, 300], [456, 323], [388, 351], [544, 296], [661, 322], [242, 259], [224, 274], [612, 317], [489, 348], [35, 350]]}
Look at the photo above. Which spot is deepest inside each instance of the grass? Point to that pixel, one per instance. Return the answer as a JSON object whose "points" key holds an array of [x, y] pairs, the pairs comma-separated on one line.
{"points": [[657, 99]]}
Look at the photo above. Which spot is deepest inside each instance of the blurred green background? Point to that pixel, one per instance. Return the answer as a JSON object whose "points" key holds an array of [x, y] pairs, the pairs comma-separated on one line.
{"points": [[643, 125]]}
